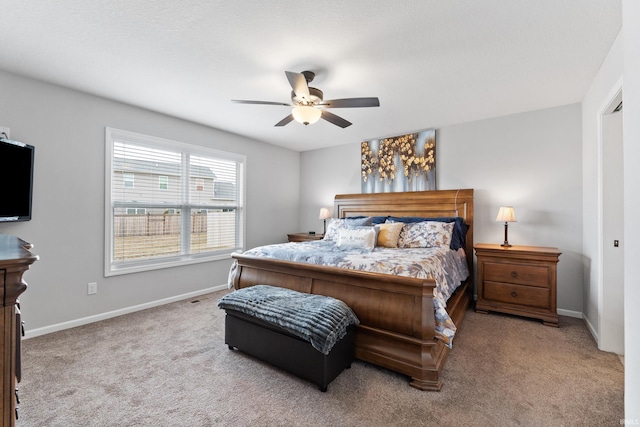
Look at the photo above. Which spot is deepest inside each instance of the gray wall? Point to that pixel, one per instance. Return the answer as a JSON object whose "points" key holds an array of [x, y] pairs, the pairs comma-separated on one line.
{"points": [[530, 160], [68, 130]]}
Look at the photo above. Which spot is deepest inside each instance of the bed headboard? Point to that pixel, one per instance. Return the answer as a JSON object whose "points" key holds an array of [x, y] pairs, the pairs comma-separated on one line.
{"points": [[436, 203]]}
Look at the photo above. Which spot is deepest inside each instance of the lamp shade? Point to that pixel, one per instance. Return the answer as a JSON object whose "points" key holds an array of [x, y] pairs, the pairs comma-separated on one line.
{"points": [[324, 213], [306, 114], [506, 214]]}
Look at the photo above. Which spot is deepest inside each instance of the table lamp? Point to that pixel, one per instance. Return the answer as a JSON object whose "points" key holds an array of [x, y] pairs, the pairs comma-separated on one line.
{"points": [[324, 215], [506, 214]]}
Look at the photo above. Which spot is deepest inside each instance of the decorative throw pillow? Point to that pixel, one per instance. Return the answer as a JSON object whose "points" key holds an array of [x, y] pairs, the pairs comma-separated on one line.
{"points": [[363, 237], [427, 234], [458, 237], [388, 234], [333, 226]]}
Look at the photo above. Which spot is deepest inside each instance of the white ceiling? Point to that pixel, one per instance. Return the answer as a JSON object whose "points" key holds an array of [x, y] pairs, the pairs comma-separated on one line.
{"points": [[432, 63]]}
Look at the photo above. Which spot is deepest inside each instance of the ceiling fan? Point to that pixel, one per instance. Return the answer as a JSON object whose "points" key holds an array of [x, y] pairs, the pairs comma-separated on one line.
{"points": [[308, 104]]}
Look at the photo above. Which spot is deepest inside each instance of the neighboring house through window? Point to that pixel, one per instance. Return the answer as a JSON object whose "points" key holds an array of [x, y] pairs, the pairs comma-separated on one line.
{"points": [[170, 203]]}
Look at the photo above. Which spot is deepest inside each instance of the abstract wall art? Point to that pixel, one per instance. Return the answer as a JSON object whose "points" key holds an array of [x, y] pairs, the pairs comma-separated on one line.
{"points": [[399, 163]]}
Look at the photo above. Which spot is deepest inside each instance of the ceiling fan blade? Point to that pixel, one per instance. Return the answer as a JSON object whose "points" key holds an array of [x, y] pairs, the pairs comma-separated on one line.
{"points": [[240, 101], [299, 84], [285, 121], [351, 103], [336, 120]]}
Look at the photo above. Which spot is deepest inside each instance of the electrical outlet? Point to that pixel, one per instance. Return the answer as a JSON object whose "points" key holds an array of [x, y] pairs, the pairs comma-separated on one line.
{"points": [[6, 131], [92, 288]]}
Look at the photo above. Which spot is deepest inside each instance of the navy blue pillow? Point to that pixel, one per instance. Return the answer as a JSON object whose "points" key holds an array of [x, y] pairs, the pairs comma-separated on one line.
{"points": [[379, 220], [459, 235]]}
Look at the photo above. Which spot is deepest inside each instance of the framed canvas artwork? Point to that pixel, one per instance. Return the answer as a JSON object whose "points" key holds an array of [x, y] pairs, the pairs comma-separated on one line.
{"points": [[399, 163]]}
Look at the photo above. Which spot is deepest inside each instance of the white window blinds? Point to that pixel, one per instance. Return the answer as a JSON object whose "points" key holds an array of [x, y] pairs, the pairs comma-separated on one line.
{"points": [[170, 203]]}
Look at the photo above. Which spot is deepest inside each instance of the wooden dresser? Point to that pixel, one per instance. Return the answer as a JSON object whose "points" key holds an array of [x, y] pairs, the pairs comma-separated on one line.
{"points": [[15, 259], [518, 280]]}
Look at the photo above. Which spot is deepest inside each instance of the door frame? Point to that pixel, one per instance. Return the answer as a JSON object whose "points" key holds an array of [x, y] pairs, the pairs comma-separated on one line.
{"points": [[613, 101]]}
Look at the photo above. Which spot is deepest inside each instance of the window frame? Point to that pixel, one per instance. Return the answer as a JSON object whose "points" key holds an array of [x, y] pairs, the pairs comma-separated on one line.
{"points": [[113, 268]]}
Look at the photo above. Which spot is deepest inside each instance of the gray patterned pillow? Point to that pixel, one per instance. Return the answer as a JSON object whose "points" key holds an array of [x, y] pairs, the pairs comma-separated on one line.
{"points": [[333, 227], [359, 222]]}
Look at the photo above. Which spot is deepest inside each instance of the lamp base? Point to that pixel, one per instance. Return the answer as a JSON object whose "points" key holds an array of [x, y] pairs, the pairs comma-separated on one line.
{"points": [[506, 238]]}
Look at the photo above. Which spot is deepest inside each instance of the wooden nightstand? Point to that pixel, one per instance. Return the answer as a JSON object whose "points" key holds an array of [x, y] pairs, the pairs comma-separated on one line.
{"points": [[518, 280], [304, 237]]}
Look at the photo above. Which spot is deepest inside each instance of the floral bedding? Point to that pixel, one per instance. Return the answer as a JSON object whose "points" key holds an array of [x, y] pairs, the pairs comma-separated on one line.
{"points": [[446, 266]]}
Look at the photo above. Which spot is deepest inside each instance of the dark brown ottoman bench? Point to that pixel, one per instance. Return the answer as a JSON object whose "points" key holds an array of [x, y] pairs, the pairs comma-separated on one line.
{"points": [[310, 336]]}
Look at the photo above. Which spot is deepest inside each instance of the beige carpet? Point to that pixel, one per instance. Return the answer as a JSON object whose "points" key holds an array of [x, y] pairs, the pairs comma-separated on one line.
{"points": [[169, 366]]}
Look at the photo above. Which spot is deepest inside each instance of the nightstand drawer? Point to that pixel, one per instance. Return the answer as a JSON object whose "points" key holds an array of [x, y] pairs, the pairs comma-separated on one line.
{"points": [[520, 274], [516, 294]]}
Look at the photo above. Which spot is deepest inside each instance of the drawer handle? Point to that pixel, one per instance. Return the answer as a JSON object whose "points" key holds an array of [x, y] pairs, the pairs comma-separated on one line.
{"points": [[514, 294], [514, 274]]}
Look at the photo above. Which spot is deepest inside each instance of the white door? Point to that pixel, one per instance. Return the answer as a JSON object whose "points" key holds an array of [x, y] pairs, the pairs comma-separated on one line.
{"points": [[612, 321]]}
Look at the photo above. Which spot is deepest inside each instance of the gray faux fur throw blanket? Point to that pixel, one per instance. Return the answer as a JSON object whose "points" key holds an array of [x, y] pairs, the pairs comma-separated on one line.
{"points": [[318, 319]]}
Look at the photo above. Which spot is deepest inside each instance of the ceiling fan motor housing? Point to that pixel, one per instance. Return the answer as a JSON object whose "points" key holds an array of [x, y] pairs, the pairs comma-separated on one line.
{"points": [[315, 97], [308, 76]]}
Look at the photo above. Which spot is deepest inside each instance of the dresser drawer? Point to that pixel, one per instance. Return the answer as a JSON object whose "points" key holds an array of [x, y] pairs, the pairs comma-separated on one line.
{"points": [[520, 274], [516, 294]]}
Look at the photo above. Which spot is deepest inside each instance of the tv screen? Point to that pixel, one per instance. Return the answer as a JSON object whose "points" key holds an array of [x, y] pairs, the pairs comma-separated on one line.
{"points": [[16, 180]]}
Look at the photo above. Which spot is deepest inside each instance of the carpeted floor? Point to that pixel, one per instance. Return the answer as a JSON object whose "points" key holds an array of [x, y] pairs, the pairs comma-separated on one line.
{"points": [[169, 366]]}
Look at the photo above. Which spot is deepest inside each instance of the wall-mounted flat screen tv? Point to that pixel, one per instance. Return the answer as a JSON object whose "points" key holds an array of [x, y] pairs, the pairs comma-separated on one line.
{"points": [[16, 180]]}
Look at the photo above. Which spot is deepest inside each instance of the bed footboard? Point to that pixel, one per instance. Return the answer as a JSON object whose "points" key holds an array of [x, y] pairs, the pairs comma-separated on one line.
{"points": [[397, 323]]}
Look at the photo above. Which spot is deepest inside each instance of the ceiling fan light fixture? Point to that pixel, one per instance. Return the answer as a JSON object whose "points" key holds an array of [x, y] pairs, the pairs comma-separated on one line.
{"points": [[306, 114]]}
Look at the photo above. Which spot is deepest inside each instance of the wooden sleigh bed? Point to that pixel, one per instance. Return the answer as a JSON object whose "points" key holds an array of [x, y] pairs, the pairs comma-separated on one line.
{"points": [[397, 320]]}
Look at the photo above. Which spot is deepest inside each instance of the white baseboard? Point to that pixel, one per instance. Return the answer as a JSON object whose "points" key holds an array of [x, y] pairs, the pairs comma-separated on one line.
{"points": [[594, 334], [570, 313], [108, 315]]}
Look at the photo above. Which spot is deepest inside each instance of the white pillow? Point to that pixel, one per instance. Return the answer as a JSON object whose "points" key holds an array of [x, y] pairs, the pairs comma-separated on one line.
{"points": [[364, 237]]}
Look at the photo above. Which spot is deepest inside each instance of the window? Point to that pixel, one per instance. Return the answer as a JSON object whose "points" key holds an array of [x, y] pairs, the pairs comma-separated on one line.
{"points": [[187, 204], [136, 211], [128, 180], [163, 182]]}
